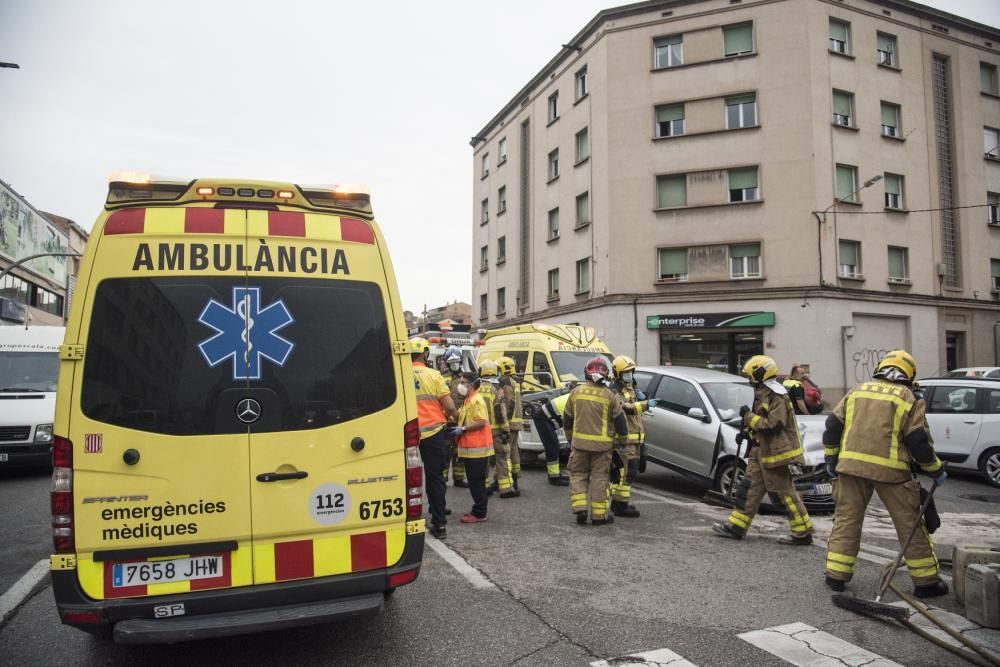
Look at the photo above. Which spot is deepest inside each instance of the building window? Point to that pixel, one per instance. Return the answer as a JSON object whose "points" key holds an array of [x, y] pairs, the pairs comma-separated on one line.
{"points": [[501, 199], [890, 120], [744, 260], [501, 300], [47, 301], [484, 302], [672, 264], [484, 257], [737, 39], [847, 183], [993, 208], [553, 284], [995, 274], [554, 107], [668, 51], [484, 211], [583, 209], [502, 151], [486, 165], [582, 145], [581, 84], [671, 191], [893, 191], [850, 259], [669, 120], [554, 223], [743, 184], [988, 79], [899, 265], [843, 108], [583, 276], [991, 142], [840, 32], [886, 49], [554, 164], [741, 111], [16, 289], [501, 250]]}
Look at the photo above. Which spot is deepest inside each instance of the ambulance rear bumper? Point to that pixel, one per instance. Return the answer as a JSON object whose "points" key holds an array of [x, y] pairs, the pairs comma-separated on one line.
{"points": [[233, 611]]}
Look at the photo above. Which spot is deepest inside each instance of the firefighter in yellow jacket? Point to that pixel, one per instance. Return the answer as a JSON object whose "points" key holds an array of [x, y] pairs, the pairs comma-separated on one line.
{"points": [[775, 445], [510, 384], [497, 404], [594, 421], [634, 403], [874, 435]]}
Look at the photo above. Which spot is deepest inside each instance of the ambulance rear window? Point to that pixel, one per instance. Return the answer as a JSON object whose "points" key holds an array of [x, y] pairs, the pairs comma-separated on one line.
{"points": [[177, 355]]}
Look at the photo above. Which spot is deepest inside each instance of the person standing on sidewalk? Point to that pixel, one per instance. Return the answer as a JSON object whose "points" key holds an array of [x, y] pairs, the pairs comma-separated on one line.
{"points": [[474, 439], [434, 408]]}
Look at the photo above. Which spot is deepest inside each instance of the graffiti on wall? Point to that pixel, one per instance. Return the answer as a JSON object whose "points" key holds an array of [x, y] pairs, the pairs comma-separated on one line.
{"points": [[23, 233], [866, 361]]}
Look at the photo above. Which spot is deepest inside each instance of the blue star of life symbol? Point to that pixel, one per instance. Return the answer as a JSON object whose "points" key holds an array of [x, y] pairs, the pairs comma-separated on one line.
{"points": [[246, 333]]}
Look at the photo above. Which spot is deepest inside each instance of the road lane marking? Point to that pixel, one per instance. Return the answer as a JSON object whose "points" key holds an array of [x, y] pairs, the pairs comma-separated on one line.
{"points": [[17, 593], [805, 646], [657, 658], [462, 566]]}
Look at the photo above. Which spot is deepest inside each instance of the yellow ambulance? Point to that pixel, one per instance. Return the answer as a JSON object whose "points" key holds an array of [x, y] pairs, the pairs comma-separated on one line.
{"points": [[235, 441]]}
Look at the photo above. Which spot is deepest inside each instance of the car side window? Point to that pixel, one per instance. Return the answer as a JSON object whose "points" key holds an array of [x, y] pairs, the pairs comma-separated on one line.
{"points": [[952, 400], [993, 401], [642, 380], [678, 395]]}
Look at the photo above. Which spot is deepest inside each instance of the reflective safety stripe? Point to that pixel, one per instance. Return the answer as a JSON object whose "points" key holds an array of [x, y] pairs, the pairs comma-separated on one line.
{"points": [[515, 468], [933, 466], [841, 558], [634, 437], [922, 562], [739, 519], [430, 414], [834, 566], [877, 460], [877, 392], [552, 469], [754, 419], [798, 522], [598, 508], [922, 571], [781, 457], [504, 483], [586, 394], [831, 450]]}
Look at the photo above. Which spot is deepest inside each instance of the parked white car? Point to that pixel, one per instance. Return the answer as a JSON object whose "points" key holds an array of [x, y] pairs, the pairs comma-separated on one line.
{"points": [[975, 371]]}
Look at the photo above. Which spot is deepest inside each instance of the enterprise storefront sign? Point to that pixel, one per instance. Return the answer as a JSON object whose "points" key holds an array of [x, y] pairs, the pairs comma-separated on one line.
{"points": [[710, 321]]}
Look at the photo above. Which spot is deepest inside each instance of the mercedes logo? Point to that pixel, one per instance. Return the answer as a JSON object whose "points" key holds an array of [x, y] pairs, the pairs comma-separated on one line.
{"points": [[248, 411]]}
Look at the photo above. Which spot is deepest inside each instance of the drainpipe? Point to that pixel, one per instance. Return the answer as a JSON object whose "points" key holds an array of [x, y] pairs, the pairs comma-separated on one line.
{"points": [[635, 328]]}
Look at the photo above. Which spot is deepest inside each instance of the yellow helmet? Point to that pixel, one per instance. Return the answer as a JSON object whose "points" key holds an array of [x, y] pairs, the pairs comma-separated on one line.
{"points": [[899, 359], [506, 365], [760, 368], [419, 346], [622, 364], [488, 369]]}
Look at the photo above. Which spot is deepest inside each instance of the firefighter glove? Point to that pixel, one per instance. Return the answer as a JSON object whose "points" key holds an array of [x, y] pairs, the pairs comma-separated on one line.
{"points": [[744, 409], [458, 430], [831, 466], [652, 403], [740, 437], [940, 476]]}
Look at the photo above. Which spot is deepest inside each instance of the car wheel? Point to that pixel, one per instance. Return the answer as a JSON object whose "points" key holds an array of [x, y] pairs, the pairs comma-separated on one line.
{"points": [[989, 464], [729, 475]]}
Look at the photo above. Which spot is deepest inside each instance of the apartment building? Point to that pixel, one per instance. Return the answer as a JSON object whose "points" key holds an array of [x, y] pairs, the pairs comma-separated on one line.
{"points": [[704, 180]]}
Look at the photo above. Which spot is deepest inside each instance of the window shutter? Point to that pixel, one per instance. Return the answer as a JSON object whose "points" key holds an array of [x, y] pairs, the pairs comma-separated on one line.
{"points": [[892, 184], [740, 99], [743, 178], [669, 112], [889, 115], [745, 250], [738, 39], [849, 253], [845, 182], [897, 263], [671, 191], [841, 103], [673, 261], [838, 30]]}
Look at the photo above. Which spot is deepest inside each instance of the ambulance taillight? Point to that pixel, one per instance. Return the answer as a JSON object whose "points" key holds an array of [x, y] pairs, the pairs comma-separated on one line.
{"points": [[61, 497], [414, 470]]}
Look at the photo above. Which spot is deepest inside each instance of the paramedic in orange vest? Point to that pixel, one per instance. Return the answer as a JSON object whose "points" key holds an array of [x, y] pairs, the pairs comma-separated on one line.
{"points": [[474, 440], [434, 408]]}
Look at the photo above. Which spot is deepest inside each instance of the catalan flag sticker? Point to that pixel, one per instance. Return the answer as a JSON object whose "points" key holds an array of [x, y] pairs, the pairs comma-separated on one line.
{"points": [[93, 443]]}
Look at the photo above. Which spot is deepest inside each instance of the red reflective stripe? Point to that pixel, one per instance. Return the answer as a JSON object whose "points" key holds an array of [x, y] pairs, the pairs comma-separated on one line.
{"points": [[204, 220], [126, 221], [356, 230], [286, 223], [224, 581], [367, 551], [293, 560], [124, 592]]}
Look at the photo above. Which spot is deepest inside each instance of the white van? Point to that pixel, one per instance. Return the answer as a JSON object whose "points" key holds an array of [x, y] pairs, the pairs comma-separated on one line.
{"points": [[29, 367]]}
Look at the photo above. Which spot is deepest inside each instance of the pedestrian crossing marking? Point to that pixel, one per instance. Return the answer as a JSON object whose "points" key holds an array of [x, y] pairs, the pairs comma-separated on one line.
{"points": [[805, 646], [657, 658]]}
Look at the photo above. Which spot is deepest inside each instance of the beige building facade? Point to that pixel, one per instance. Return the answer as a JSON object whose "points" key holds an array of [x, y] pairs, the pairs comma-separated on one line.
{"points": [[705, 180]]}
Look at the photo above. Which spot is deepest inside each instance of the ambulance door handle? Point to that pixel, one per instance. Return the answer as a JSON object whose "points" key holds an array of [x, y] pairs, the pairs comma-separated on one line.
{"points": [[968, 421], [278, 476]]}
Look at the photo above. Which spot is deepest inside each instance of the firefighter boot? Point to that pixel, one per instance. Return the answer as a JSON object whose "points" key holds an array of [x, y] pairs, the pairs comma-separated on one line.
{"points": [[725, 530], [931, 590], [622, 508], [835, 585], [581, 518], [794, 541]]}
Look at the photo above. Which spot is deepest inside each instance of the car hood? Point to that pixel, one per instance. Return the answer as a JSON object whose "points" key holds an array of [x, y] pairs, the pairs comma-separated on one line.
{"points": [[810, 428]]}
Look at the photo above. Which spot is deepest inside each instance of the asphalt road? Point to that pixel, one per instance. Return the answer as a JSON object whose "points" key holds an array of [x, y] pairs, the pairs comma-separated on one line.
{"points": [[557, 593]]}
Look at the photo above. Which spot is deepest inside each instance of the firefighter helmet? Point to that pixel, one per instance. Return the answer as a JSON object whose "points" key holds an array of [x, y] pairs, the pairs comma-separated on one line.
{"points": [[488, 369], [900, 360], [760, 368], [506, 365], [596, 366], [622, 364]]}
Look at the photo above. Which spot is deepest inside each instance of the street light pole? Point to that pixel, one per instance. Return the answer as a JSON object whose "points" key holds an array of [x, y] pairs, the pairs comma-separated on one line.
{"points": [[821, 219]]}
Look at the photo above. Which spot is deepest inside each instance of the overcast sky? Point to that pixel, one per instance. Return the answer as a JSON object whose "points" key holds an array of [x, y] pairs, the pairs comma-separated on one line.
{"points": [[383, 93]]}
